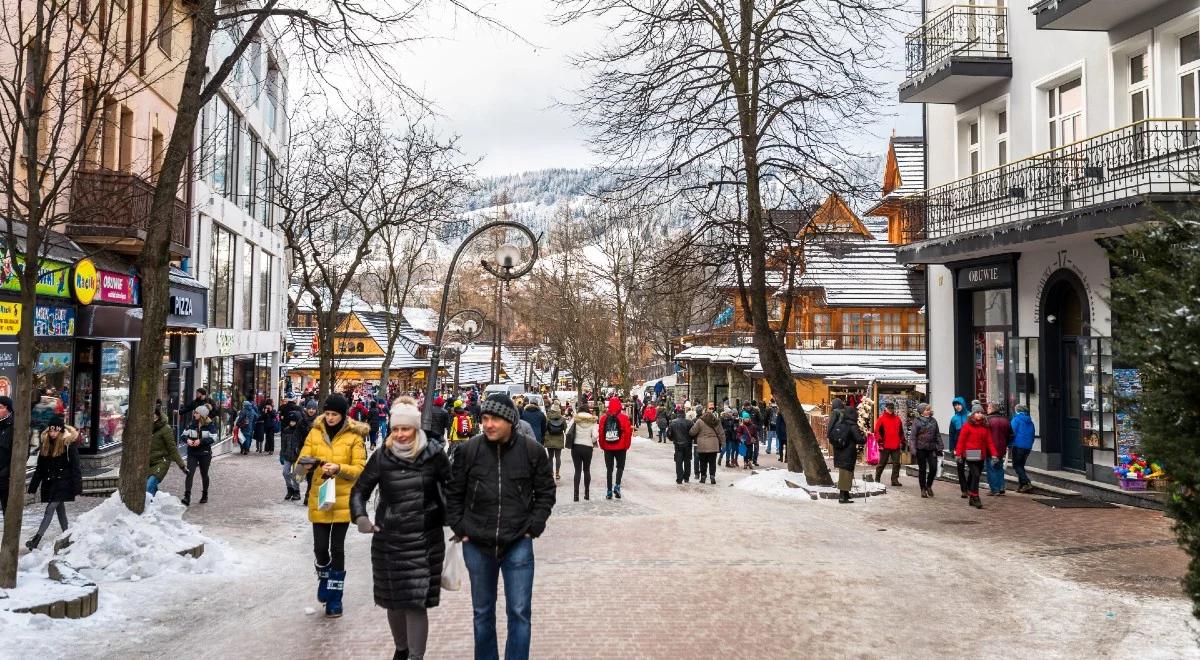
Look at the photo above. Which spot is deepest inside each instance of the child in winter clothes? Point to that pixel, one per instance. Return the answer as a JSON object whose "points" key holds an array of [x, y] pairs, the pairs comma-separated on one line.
{"points": [[748, 435], [661, 419], [729, 424]]}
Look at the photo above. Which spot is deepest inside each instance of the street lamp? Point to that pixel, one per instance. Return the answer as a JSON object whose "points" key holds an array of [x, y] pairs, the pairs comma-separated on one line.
{"points": [[506, 267]]}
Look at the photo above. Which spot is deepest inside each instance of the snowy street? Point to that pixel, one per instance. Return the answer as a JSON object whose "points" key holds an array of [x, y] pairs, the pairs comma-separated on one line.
{"points": [[679, 571]]}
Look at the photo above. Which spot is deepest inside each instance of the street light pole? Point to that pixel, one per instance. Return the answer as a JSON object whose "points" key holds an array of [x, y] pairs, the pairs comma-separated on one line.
{"points": [[506, 257]]}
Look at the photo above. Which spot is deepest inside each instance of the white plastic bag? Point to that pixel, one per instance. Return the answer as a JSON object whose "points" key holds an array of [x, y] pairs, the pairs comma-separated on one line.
{"points": [[327, 495], [454, 569]]}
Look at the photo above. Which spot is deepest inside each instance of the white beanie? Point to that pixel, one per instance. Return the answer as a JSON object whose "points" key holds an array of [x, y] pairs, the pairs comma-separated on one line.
{"points": [[202, 410], [404, 414]]}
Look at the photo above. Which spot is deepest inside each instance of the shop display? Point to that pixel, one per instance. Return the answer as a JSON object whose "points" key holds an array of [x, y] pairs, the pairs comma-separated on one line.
{"points": [[1135, 471]]}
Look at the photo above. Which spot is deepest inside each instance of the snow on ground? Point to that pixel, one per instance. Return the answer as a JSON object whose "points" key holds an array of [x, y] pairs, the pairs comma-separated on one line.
{"points": [[771, 483]]}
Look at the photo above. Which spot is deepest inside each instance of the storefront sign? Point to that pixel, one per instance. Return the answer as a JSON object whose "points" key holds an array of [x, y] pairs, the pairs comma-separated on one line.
{"points": [[187, 308], [48, 320], [53, 321], [85, 281], [8, 368], [52, 276], [986, 276], [117, 288]]}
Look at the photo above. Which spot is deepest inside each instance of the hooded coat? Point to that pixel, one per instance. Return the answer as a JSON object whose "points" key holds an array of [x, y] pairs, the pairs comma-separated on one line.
{"points": [[889, 429], [958, 420], [846, 456], [583, 431], [345, 449], [60, 477], [925, 434], [408, 549], [625, 437], [708, 433], [1022, 426], [555, 439], [163, 450], [536, 419]]}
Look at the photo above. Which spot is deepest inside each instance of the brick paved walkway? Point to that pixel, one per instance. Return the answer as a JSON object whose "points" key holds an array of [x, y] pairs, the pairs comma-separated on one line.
{"points": [[715, 572]]}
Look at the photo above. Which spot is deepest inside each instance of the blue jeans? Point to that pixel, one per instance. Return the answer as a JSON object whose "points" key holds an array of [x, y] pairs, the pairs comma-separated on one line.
{"points": [[995, 476], [484, 569], [771, 438], [152, 485], [246, 438]]}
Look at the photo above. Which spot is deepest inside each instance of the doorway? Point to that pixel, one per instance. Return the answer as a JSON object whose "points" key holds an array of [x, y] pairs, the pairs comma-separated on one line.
{"points": [[1064, 311]]}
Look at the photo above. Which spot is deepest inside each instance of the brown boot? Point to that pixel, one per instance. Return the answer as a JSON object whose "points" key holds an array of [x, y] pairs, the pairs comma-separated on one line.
{"points": [[924, 493]]}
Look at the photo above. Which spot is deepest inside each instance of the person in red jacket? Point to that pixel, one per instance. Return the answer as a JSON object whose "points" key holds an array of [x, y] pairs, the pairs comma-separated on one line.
{"points": [[616, 435], [649, 415], [973, 449], [889, 431]]}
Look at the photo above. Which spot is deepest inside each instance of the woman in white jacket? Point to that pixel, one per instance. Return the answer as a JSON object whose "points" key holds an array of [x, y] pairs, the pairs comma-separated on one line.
{"points": [[582, 437]]}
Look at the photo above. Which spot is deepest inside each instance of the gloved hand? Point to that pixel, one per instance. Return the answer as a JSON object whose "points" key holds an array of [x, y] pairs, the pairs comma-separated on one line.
{"points": [[365, 526]]}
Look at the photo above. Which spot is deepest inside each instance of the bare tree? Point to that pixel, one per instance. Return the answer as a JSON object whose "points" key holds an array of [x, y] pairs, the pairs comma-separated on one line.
{"points": [[404, 266], [352, 182], [64, 68], [738, 107]]}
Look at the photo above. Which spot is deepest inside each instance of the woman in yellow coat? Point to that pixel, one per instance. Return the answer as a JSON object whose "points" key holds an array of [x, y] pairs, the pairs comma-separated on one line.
{"points": [[333, 450]]}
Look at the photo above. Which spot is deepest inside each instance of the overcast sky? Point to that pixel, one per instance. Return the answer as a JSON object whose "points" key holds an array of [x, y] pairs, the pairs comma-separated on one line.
{"points": [[498, 93]]}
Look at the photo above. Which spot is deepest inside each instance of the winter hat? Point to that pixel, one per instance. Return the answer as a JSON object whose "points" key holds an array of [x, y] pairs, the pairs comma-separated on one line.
{"points": [[311, 404], [336, 403], [921, 408], [745, 414], [502, 406], [202, 411], [6, 402], [55, 421], [404, 413], [438, 400], [976, 408], [458, 404]]}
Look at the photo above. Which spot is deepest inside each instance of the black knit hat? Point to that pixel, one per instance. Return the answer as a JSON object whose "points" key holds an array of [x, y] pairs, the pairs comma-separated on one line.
{"points": [[336, 403], [6, 402], [56, 421], [502, 406]]}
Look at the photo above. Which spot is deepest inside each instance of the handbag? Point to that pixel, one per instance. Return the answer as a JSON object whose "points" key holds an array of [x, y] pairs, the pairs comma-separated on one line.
{"points": [[973, 454], [453, 567], [872, 449], [327, 495]]}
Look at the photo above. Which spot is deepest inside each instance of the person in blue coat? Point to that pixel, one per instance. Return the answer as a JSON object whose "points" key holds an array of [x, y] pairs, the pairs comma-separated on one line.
{"points": [[957, 421], [536, 419], [1022, 444]]}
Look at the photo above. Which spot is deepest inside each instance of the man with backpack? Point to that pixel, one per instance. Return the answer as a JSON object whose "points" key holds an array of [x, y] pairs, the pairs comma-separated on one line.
{"points": [[845, 438], [616, 436], [498, 499], [680, 432]]}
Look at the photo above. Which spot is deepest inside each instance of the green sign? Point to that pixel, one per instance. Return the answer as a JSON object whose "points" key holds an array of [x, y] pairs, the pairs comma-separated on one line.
{"points": [[54, 277]]}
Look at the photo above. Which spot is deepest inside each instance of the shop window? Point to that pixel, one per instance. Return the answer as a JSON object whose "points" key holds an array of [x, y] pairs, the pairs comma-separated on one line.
{"points": [[114, 392], [992, 321], [264, 291], [247, 280], [220, 314]]}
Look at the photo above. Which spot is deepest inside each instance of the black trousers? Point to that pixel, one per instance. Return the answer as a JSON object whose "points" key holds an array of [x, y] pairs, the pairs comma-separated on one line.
{"points": [[782, 447], [269, 446], [961, 469], [927, 460], [683, 462], [581, 458], [555, 459], [974, 469], [329, 544], [708, 463], [612, 458], [194, 461]]}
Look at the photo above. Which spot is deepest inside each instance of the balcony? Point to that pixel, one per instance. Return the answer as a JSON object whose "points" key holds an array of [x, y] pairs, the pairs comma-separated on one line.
{"points": [[111, 210], [1093, 15], [1095, 185], [962, 50], [836, 341]]}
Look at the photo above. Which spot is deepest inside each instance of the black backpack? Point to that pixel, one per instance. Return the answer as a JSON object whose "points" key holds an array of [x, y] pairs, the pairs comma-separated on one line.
{"points": [[612, 429], [839, 435], [556, 426]]}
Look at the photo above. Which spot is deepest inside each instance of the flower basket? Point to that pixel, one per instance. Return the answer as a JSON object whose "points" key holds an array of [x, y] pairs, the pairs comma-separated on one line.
{"points": [[1133, 484]]}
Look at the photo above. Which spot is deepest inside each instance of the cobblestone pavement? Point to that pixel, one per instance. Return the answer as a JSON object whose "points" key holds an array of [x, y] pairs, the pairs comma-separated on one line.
{"points": [[713, 571]]}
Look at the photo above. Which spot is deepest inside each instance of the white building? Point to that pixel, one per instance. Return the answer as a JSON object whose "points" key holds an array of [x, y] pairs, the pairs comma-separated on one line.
{"points": [[238, 250], [1040, 120]]}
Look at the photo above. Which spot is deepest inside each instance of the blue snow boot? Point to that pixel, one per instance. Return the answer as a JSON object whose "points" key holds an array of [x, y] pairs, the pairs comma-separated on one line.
{"points": [[322, 582], [617, 491], [334, 588]]}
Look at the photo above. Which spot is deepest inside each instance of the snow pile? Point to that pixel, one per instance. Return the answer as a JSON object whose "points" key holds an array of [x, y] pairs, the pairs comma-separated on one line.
{"points": [[111, 543], [772, 484], [35, 589]]}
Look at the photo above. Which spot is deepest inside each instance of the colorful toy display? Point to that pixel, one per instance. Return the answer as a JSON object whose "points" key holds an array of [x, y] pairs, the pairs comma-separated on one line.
{"points": [[1134, 471]]}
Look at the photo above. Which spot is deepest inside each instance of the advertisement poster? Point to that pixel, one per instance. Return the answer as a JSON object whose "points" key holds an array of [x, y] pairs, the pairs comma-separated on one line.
{"points": [[10, 318], [48, 363], [117, 288], [8, 367], [53, 276], [108, 361], [53, 321]]}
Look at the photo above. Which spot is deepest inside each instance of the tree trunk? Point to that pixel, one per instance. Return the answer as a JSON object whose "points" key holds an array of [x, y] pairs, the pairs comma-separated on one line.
{"points": [[325, 354], [21, 417], [154, 268]]}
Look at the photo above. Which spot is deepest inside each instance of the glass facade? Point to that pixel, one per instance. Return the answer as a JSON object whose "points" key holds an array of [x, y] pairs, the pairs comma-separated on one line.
{"points": [[115, 366], [992, 328], [220, 309]]}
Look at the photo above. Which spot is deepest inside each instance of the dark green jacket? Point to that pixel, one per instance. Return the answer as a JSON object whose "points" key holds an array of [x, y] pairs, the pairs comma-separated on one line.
{"points": [[163, 451]]}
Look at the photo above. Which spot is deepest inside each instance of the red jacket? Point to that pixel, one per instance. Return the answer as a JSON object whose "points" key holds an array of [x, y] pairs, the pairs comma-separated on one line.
{"points": [[889, 431], [1002, 434], [974, 435], [626, 438], [650, 414]]}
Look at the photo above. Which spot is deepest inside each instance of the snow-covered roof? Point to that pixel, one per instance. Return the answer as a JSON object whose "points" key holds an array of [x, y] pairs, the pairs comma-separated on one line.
{"points": [[735, 355], [845, 363], [910, 161], [422, 319], [857, 272], [400, 360]]}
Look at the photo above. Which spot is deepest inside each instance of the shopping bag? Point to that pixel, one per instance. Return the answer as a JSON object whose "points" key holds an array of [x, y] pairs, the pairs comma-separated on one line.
{"points": [[327, 495], [872, 449], [454, 569]]}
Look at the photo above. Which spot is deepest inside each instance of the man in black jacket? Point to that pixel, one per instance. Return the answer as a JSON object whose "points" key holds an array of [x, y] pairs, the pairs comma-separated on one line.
{"points": [[498, 500], [6, 445], [679, 431], [439, 420]]}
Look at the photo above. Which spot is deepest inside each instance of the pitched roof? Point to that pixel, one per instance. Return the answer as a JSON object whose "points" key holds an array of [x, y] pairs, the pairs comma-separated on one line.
{"points": [[904, 171], [858, 273]]}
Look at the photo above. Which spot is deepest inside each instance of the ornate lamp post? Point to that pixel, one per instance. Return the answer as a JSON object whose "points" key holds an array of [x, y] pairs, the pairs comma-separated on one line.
{"points": [[506, 267]]}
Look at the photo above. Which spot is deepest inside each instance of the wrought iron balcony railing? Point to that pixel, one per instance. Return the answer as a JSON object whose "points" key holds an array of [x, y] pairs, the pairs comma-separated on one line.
{"points": [[105, 200], [957, 31], [870, 341], [1153, 156]]}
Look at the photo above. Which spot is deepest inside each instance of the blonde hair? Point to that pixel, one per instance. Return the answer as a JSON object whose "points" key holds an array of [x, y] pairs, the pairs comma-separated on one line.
{"points": [[53, 446]]}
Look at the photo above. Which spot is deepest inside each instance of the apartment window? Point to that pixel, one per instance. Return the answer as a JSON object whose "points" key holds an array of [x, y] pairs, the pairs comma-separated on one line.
{"points": [[1002, 137], [892, 328], [125, 154], [108, 139], [856, 327], [264, 290], [270, 100], [87, 117], [156, 153], [1189, 74], [245, 168], [1139, 87], [220, 312], [973, 147], [233, 139], [166, 25], [262, 184], [247, 286], [1066, 113]]}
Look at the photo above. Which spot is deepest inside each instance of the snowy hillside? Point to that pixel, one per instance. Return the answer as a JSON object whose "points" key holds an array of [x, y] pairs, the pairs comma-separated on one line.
{"points": [[532, 198]]}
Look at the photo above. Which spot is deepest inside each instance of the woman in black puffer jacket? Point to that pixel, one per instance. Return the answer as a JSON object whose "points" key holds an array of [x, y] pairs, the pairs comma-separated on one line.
{"points": [[408, 546]]}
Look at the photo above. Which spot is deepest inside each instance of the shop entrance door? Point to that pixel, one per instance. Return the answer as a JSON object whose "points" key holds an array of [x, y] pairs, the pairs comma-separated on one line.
{"points": [[1072, 446], [1063, 325]]}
